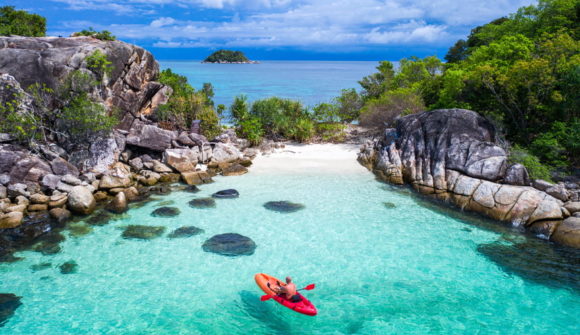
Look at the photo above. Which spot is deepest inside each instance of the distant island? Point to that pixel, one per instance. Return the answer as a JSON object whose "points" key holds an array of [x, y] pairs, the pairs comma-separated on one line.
{"points": [[228, 57]]}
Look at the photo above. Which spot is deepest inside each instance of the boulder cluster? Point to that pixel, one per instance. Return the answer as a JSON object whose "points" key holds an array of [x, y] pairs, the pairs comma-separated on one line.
{"points": [[454, 155], [57, 178]]}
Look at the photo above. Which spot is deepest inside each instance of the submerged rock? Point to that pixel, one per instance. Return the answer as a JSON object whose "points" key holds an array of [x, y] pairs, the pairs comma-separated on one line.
{"points": [[140, 232], [165, 203], [187, 231], [8, 304], [166, 212], [50, 244], [40, 267], [389, 205], [226, 194], [283, 206], [100, 219], [230, 244], [160, 189], [79, 229], [191, 189], [68, 267], [202, 203], [537, 261]]}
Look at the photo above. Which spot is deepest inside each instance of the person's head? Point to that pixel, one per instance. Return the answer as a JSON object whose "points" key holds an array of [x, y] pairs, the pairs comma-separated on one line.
{"points": [[288, 280]]}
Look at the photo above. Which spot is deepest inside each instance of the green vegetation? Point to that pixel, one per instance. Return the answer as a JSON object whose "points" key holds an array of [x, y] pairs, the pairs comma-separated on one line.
{"points": [[227, 56], [522, 71], [73, 115], [20, 22], [104, 35], [186, 105], [279, 118]]}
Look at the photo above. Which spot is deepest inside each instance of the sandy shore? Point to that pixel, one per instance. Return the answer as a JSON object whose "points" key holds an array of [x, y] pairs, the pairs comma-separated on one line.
{"points": [[311, 159]]}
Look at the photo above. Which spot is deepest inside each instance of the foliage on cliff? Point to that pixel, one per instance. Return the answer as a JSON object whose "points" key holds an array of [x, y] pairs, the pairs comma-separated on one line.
{"points": [[75, 117], [104, 35], [186, 105], [20, 22], [522, 71], [227, 56]]}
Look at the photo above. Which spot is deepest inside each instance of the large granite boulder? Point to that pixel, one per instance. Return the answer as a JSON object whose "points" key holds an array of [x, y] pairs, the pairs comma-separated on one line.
{"points": [[182, 160], [81, 200], [150, 137], [223, 153], [452, 155], [48, 60], [568, 232]]}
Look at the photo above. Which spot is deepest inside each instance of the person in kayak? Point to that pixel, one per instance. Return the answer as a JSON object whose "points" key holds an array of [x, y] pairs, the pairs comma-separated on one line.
{"points": [[288, 291]]}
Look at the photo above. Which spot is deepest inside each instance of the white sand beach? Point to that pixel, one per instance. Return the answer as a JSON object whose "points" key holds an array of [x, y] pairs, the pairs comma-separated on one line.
{"points": [[310, 159]]}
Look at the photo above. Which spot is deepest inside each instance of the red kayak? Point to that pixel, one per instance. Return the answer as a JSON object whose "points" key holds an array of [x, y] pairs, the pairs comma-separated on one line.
{"points": [[304, 306]]}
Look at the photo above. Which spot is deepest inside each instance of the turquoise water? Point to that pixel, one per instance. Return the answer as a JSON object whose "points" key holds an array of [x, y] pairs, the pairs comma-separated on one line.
{"points": [[311, 82], [412, 269]]}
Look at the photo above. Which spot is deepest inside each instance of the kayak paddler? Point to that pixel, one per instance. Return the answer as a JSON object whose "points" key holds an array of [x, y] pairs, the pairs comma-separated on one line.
{"points": [[288, 290]]}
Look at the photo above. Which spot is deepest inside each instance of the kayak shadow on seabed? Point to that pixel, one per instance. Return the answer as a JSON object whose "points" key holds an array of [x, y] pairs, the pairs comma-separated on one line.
{"points": [[264, 312]]}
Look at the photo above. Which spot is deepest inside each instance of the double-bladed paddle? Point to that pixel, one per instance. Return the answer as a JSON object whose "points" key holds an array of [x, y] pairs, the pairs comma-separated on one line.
{"points": [[307, 288]]}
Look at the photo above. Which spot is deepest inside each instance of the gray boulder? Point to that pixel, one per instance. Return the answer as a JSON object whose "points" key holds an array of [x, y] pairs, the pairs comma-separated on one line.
{"points": [[61, 167], [81, 200], [223, 153], [48, 60], [517, 174], [182, 160], [150, 137]]}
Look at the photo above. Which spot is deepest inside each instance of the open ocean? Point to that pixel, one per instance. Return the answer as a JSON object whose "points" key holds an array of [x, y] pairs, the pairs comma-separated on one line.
{"points": [[311, 82]]}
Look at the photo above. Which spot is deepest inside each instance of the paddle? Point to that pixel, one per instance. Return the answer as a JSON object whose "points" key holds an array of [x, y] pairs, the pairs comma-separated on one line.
{"points": [[307, 288]]}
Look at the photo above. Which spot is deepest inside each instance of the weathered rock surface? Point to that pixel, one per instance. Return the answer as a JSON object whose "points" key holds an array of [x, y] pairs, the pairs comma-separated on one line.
{"points": [[81, 200], [568, 232], [451, 154], [182, 160], [223, 153], [119, 204], [48, 60], [150, 137], [230, 244]]}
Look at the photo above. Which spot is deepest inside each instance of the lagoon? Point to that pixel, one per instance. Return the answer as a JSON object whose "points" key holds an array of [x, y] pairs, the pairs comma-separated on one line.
{"points": [[384, 262]]}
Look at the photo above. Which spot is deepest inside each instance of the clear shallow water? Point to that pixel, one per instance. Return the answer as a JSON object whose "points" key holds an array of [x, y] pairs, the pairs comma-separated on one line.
{"points": [[411, 269], [311, 82]]}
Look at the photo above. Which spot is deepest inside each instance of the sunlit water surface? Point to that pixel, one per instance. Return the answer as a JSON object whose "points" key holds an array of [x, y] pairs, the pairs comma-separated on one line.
{"points": [[410, 269]]}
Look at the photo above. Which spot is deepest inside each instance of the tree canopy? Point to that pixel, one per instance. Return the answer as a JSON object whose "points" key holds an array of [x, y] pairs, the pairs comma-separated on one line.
{"points": [[20, 22], [227, 56]]}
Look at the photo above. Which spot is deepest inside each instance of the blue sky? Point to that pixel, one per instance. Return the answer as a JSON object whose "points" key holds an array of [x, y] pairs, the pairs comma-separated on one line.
{"points": [[277, 29]]}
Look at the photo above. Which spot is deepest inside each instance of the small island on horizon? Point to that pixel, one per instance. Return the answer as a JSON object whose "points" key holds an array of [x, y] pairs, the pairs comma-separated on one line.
{"points": [[228, 57]]}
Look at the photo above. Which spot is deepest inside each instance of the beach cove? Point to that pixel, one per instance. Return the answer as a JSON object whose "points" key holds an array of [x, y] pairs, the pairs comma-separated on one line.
{"points": [[355, 239]]}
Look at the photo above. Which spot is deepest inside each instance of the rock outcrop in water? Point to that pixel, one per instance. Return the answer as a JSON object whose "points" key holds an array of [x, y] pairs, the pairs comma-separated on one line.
{"points": [[230, 244], [283, 206], [8, 304], [453, 155]]}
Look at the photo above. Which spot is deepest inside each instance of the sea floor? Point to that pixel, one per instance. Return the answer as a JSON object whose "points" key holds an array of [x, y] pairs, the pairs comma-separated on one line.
{"points": [[383, 260]]}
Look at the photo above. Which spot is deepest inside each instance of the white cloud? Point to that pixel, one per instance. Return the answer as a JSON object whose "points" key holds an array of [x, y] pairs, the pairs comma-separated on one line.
{"points": [[162, 21], [306, 23]]}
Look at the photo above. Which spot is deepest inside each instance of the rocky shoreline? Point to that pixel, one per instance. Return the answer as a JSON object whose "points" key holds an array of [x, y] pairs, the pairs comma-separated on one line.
{"points": [[49, 183], [453, 155]]}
